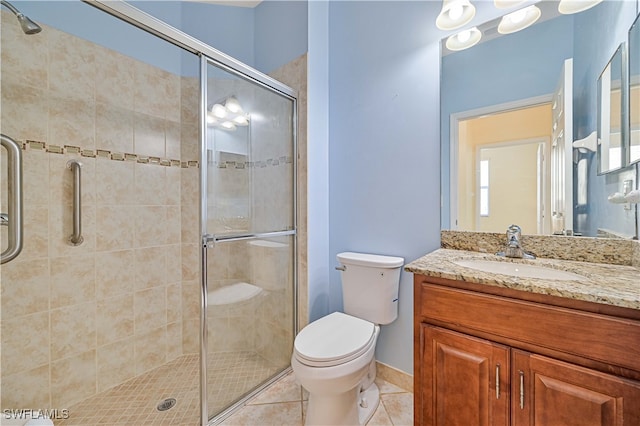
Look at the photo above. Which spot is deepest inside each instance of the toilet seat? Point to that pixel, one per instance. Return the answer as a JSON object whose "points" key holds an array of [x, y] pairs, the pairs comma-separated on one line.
{"points": [[333, 340]]}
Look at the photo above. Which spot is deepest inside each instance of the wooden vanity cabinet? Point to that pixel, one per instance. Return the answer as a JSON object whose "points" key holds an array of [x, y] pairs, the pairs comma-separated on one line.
{"points": [[458, 380], [500, 359], [560, 393]]}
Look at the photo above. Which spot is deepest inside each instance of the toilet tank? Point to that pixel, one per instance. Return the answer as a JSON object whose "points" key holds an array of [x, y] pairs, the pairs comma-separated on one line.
{"points": [[370, 286]]}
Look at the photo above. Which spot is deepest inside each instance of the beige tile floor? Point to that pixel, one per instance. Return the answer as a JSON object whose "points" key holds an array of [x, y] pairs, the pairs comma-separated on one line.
{"points": [[284, 403], [134, 402]]}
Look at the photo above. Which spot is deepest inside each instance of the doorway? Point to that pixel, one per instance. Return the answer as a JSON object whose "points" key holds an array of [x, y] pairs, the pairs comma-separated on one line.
{"points": [[502, 175]]}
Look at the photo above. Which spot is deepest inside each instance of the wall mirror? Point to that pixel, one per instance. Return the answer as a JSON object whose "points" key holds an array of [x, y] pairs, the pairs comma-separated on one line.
{"points": [[534, 92], [610, 114], [634, 91]]}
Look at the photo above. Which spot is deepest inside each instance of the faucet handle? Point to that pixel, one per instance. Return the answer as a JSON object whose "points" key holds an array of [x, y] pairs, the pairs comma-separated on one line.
{"points": [[514, 229], [514, 233]]}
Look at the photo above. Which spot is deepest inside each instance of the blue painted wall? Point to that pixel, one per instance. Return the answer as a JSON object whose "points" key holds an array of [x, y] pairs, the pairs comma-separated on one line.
{"points": [[226, 28], [318, 263], [592, 52], [518, 66], [280, 33], [384, 145]]}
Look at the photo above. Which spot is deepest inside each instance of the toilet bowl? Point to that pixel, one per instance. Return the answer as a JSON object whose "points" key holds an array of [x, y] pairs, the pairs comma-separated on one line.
{"points": [[334, 360], [333, 357]]}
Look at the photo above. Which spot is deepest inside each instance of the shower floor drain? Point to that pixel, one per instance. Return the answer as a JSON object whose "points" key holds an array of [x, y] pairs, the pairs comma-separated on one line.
{"points": [[166, 404]]}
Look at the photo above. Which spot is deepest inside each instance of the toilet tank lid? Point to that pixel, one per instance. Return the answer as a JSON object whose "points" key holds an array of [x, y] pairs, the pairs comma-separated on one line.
{"points": [[371, 260]]}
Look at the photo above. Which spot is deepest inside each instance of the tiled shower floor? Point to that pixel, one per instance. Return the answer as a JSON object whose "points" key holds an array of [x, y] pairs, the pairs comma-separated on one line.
{"points": [[134, 402]]}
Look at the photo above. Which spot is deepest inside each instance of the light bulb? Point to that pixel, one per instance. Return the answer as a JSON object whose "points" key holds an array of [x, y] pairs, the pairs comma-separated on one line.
{"points": [[464, 36], [464, 39], [519, 20], [228, 125], [233, 105], [211, 119], [241, 120], [456, 12], [219, 111], [518, 16]]}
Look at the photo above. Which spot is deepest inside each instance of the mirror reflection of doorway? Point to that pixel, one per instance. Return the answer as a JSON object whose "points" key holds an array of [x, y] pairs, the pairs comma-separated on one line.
{"points": [[511, 185], [503, 176]]}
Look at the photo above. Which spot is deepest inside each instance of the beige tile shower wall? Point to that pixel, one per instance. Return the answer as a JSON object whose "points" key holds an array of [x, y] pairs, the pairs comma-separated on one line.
{"points": [[272, 271], [190, 215], [230, 326], [79, 320], [294, 74]]}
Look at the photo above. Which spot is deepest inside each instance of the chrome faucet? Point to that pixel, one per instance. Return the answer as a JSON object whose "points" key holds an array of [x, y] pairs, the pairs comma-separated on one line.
{"points": [[513, 247]]}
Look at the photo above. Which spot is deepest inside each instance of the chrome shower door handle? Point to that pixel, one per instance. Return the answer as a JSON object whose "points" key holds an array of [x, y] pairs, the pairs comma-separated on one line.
{"points": [[76, 238], [13, 219]]}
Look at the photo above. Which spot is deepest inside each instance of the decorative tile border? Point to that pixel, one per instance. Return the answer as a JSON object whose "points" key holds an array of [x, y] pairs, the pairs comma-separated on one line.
{"points": [[102, 153], [254, 164], [144, 159]]}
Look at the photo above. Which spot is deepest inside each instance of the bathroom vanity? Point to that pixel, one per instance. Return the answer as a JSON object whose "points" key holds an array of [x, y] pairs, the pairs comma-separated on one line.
{"points": [[495, 349]]}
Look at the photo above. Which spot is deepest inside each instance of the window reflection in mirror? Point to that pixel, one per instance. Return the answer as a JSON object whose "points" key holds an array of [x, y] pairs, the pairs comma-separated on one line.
{"points": [[634, 92]]}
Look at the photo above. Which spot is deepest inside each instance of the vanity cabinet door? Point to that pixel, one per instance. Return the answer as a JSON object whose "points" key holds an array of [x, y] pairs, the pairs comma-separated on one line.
{"points": [[549, 392], [465, 380]]}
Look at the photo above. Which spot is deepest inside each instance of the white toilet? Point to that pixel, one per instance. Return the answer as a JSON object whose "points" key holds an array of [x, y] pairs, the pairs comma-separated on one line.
{"points": [[333, 357]]}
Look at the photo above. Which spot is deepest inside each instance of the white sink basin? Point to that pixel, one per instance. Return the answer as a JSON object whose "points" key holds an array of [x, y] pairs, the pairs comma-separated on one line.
{"points": [[518, 269]]}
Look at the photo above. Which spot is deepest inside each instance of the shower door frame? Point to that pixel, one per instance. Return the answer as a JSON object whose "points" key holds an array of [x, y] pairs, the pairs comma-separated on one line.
{"points": [[130, 14], [209, 240]]}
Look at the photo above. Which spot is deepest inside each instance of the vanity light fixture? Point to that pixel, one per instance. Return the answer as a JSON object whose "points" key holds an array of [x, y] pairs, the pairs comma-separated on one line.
{"points": [[227, 115], [567, 7], [233, 105], [464, 39], [455, 14], [519, 20], [228, 125], [219, 111], [241, 120], [506, 4]]}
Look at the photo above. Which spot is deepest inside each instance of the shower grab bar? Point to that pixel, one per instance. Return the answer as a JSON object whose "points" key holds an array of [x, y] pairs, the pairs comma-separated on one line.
{"points": [[13, 219], [76, 238], [212, 238]]}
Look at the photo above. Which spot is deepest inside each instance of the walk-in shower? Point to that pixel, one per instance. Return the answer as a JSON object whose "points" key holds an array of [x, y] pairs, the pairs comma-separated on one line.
{"points": [[157, 278]]}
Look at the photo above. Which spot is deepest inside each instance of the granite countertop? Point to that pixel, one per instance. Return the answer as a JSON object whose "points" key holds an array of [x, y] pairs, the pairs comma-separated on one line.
{"points": [[616, 285]]}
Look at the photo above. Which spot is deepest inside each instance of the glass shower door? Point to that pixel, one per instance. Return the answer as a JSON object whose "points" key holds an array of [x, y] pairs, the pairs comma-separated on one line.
{"points": [[249, 228]]}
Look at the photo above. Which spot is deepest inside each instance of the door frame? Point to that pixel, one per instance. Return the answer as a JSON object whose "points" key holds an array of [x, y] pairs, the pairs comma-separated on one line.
{"points": [[454, 122]]}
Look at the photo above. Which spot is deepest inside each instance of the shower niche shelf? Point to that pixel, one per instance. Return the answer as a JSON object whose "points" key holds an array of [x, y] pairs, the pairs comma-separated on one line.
{"points": [[232, 294]]}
